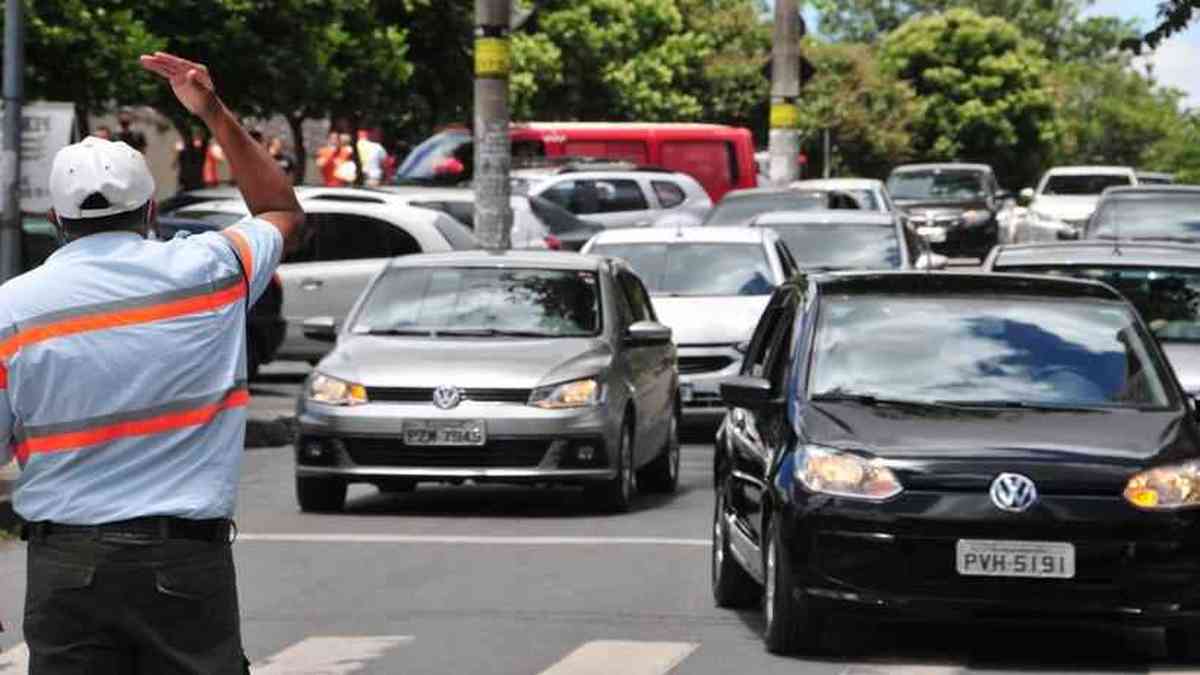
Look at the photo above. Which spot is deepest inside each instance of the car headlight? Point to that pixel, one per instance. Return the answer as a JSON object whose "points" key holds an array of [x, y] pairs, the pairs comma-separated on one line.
{"points": [[332, 391], [973, 218], [574, 394], [1165, 488], [833, 472]]}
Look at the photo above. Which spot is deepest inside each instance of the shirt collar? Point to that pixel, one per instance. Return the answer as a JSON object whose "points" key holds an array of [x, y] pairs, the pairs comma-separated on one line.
{"points": [[100, 244]]}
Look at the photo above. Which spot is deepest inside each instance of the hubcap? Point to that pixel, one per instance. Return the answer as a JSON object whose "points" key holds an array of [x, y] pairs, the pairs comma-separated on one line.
{"points": [[769, 600]]}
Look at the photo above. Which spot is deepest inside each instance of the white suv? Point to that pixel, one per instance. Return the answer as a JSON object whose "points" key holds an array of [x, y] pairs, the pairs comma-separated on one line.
{"points": [[1064, 200], [618, 196]]}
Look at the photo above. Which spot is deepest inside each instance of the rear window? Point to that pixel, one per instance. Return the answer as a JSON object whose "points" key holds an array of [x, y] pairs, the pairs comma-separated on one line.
{"points": [[669, 194], [696, 269], [1150, 215], [1082, 185], [741, 210]]}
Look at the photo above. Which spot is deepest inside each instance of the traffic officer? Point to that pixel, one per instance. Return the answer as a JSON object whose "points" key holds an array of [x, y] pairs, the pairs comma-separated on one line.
{"points": [[123, 395]]}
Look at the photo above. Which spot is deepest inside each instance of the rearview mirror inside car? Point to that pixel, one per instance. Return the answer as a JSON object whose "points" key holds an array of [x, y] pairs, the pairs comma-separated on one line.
{"points": [[645, 333], [321, 328], [752, 393]]}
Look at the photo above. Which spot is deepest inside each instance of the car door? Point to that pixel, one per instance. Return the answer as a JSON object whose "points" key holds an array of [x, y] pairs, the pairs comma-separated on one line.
{"points": [[340, 256], [650, 367]]}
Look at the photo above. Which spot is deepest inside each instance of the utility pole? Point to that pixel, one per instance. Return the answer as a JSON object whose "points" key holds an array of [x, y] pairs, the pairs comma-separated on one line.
{"points": [[785, 89], [10, 159], [493, 150]]}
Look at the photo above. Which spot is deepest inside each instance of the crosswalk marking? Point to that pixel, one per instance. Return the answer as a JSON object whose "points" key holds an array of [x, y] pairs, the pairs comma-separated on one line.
{"points": [[329, 655], [15, 660], [604, 657], [335, 538]]}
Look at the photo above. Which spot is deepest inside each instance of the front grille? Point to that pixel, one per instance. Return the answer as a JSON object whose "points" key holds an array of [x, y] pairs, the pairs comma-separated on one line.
{"points": [[705, 399], [498, 453], [703, 364], [425, 395]]}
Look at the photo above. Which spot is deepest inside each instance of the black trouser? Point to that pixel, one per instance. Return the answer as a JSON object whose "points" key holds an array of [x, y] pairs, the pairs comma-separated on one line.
{"points": [[116, 604]]}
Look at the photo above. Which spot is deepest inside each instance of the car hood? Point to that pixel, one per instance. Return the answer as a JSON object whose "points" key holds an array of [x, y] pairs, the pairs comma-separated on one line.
{"points": [[516, 363], [1185, 359], [969, 448], [1075, 207], [710, 320]]}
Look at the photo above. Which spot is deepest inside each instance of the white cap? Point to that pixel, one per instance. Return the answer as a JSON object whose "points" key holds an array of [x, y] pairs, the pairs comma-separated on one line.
{"points": [[94, 166]]}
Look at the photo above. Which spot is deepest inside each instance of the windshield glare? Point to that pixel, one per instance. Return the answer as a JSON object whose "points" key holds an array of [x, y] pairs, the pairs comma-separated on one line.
{"points": [[974, 349], [741, 210], [936, 184], [554, 303], [1150, 215], [1081, 185], [437, 158], [841, 246], [696, 269]]}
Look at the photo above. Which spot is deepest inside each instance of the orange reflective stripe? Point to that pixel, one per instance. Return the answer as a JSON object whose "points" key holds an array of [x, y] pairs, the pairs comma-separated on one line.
{"points": [[243, 247], [3, 377], [121, 317], [152, 425]]}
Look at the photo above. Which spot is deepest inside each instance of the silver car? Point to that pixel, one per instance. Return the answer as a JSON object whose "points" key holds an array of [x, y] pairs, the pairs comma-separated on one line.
{"points": [[710, 285], [619, 196], [526, 367]]}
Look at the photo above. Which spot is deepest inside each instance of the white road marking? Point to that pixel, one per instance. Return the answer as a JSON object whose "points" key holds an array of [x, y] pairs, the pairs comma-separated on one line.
{"points": [[15, 660], [329, 655], [303, 538], [604, 657]]}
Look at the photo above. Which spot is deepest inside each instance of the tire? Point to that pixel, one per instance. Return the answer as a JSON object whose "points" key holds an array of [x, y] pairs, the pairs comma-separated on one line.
{"points": [[616, 495], [320, 495], [732, 586], [662, 475], [1183, 644], [790, 625]]}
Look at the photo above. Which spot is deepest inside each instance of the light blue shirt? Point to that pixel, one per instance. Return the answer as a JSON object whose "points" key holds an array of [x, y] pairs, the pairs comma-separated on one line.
{"points": [[123, 374]]}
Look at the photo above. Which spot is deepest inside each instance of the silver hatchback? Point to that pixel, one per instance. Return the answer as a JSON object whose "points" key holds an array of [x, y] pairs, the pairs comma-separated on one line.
{"points": [[523, 367]]}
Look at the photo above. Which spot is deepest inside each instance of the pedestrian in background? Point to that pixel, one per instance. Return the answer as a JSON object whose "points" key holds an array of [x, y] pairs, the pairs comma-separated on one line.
{"points": [[372, 156], [189, 160], [214, 159], [128, 135], [345, 171], [329, 157], [129, 460]]}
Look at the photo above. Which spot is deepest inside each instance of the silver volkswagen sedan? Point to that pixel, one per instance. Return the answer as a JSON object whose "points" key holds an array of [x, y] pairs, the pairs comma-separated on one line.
{"points": [[525, 367]]}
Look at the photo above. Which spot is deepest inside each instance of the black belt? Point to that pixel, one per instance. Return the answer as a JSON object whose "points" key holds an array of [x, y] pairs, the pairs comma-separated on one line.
{"points": [[152, 527]]}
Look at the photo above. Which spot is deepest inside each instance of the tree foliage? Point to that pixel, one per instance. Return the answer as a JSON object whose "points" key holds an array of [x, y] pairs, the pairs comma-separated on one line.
{"points": [[982, 91], [1174, 16]]}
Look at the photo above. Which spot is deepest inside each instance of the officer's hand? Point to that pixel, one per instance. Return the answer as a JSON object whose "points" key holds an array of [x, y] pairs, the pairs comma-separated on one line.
{"points": [[190, 82]]}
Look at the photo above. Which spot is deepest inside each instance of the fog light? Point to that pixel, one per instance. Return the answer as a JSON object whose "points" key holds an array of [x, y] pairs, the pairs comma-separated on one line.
{"points": [[313, 449], [585, 453]]}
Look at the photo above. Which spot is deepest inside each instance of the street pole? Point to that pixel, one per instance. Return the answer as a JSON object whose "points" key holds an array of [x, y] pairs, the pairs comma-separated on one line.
{"points": [[828, 155], [785, 89], [493, 151], [10, 160]]}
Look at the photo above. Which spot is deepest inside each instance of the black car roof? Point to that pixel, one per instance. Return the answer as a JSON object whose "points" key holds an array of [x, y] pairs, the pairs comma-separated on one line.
{"points": [[971, 283], [1100, 252]]}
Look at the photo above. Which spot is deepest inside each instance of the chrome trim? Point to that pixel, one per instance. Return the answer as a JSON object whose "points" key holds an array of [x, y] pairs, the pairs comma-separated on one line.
{"points": [[430, 472], [740, 475], [743, 549]]}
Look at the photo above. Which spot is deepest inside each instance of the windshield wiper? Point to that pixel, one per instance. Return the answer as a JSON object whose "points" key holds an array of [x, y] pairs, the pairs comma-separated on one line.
{"points": [[396, 332], [875, 400], [493, 332], [1024, 405]]}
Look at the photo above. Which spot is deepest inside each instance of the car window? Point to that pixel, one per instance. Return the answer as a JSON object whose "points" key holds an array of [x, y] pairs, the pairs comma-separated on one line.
{"points": [[932, 184], [1082, 185], [760, 343], [842, 245], [219, 219], [741, 209], [779, 350], [351, 237], [1150, 215], [696, 269], [669, 194], [617, 195], [636, 296]]}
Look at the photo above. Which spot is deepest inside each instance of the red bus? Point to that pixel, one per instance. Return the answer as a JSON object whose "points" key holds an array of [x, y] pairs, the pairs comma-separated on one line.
{"points": [[720, 157]]}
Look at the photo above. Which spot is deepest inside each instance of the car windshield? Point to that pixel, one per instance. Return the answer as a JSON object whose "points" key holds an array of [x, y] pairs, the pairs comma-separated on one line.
{"points": [[443, 157], [936, 184], [739, 210], [218, 219], [1082, 185], [1157, 215], [695, 268], [841, 246], [1167, 299], [999, 350], [482, 301]]}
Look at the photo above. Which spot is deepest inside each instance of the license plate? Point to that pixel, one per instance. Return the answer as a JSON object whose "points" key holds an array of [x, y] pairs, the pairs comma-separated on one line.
{"points": [[686, 393], [445, 432], [935, 235], [1035, 559]]}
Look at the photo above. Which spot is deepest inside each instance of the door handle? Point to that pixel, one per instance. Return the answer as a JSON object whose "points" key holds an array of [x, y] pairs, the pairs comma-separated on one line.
{"points": [[311, 284]]}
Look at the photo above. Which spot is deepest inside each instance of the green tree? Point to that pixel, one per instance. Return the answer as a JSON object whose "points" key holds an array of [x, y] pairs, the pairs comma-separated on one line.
{"points": [[982, 91], [1173, 15]]}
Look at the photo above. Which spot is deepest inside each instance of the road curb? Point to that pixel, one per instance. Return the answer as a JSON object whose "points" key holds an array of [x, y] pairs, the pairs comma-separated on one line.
{"points": [[269, 433]]}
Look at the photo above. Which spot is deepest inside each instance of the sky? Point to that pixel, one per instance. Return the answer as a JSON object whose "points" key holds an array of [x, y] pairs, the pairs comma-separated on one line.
{"points": [[1177, 59]]}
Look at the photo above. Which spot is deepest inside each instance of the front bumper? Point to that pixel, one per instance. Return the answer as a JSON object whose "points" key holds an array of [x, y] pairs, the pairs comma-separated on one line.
{"points": [[900, 558], [523, 444], [975, 242], [701, 370]]}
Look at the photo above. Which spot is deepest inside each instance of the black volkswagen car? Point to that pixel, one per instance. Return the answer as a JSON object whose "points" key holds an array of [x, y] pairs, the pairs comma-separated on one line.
{"points": [[957, 207], [953, 446]]}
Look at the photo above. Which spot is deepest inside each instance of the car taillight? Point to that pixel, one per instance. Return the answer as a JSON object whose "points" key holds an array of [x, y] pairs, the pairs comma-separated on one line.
{"points": [[553, 243]]}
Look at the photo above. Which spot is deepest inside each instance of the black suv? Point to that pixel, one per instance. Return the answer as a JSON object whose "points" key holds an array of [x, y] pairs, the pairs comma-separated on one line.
{"points": [[957, 445], [955, 206]]}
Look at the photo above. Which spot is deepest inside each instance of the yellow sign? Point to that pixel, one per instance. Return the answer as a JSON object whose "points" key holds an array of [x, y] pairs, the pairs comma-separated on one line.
{"points": [[492, 57], [785, 116]]}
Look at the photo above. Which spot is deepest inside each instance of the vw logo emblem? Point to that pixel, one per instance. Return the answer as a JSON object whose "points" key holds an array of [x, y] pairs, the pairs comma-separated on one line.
{"points": [[447, 396], [1013, 492]]}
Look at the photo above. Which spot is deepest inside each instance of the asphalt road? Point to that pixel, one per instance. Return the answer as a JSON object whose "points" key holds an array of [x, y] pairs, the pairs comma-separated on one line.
{"points": [[530, 581]]}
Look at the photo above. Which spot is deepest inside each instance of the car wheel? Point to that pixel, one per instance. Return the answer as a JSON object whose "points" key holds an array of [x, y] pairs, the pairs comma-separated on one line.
{"points": [[616, 494], [790, 624], [1183, 644], [732, 586], [662, 475], [320, 494]]}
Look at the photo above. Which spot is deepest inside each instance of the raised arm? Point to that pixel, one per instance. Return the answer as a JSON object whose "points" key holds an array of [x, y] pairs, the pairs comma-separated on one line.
{"points": [[268, 192]]}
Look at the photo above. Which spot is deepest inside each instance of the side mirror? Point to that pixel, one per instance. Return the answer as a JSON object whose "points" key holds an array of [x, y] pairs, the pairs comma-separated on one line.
{"points": [[751, 393], [931, 261], [743, 347], [647, 333], [1026, 196], [321, 329]]}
